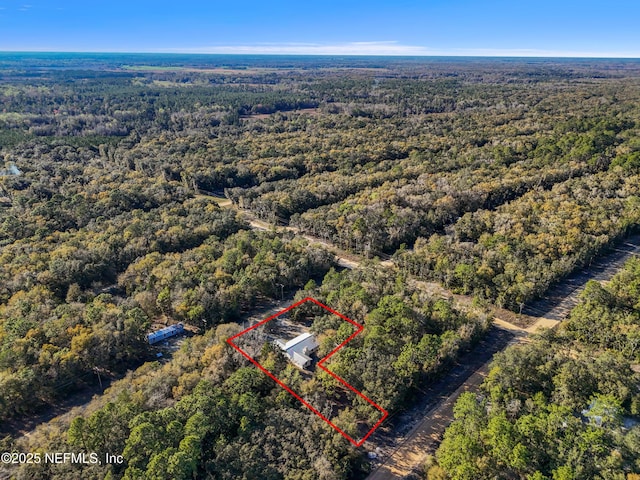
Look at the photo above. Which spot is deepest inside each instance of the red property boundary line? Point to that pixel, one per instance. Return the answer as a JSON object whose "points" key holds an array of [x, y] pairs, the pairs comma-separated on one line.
{"points": [[320, 364]]}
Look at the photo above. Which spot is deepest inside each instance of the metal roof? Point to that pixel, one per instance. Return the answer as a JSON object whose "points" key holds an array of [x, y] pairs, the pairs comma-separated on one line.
{"points": [[300, 338]]}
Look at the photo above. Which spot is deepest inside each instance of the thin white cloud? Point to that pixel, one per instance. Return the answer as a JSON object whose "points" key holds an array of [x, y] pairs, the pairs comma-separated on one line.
{"points": [[389, 48], [352, 48], [531, 52]]}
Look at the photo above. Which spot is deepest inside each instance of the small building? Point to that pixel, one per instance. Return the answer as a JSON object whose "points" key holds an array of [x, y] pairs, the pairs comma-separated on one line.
{"points": [[11, 171], [164, 333], [299, 349]]}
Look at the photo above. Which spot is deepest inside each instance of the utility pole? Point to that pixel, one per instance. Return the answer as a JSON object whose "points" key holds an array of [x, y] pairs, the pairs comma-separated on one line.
{"points": [[97, 371]]}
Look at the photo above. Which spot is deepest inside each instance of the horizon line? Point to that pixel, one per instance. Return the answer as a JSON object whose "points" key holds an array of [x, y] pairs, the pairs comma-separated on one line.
{"points": [[558, 55], [370, 48]]}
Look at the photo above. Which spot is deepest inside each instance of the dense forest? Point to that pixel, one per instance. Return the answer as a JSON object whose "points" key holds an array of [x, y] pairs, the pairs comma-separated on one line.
{"points": [[515, 252], [209, 412], [141, 191], [561, 407]]}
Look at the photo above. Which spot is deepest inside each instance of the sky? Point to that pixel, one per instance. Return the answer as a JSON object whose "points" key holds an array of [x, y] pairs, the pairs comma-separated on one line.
{"points": [[567, 28]]}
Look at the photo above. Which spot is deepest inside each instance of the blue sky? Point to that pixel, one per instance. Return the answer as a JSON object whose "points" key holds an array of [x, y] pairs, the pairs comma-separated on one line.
{"points": [[402, 27]]}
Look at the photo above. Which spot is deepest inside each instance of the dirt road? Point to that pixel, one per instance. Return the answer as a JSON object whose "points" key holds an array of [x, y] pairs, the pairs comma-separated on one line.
{"points": [[562, 297], [404, 455], [423, 439], [402, 448], [343, 259]]}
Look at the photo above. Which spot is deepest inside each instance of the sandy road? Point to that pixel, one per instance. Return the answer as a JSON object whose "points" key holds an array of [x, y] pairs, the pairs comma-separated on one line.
{"points": [[343, 259], [407, 459], [561, 298], [404, 455], [425, 436]]}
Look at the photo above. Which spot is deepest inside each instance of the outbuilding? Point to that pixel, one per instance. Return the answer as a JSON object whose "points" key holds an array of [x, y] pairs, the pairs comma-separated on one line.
{"points": [[164, 333]]}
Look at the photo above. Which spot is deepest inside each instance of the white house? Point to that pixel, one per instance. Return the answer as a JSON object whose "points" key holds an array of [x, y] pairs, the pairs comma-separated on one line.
{"points": [[299, 349]]}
